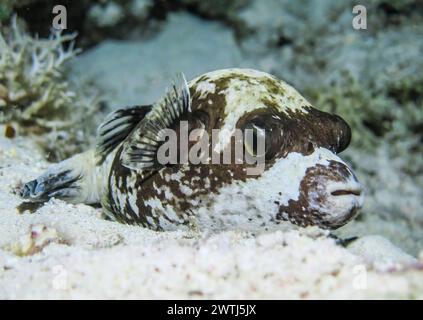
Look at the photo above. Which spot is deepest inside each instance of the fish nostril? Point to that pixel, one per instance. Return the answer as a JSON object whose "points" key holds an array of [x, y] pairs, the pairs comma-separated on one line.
{"points": [[343, 192]]}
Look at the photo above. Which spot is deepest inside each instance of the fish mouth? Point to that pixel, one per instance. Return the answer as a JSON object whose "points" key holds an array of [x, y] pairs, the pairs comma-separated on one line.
{"points": [[343, 192], [343, 202]]}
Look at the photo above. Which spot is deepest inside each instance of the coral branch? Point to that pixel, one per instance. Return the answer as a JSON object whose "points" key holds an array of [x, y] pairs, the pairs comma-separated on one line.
{"points": [[34, 88]]}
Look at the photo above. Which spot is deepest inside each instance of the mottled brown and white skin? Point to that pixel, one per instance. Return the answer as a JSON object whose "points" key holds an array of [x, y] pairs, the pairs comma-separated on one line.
{"points": [[304, 181]]}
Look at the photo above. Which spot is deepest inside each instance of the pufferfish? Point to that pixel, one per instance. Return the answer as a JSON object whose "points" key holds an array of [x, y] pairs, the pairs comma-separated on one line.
{"points": [[303, 179]]}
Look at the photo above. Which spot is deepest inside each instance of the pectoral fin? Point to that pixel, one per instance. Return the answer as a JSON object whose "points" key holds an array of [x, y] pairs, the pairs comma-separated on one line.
{"points": [[116, 127], [140, 148]]}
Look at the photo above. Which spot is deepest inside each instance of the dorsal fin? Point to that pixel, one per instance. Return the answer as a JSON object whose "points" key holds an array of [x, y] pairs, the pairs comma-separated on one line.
{"points": [[140, 149], [116, 127]]}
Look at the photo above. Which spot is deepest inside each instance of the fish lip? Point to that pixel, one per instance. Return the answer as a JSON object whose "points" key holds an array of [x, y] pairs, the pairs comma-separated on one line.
{"points": [[344, 202], [342, 192], [349, 197], [350, 188]]}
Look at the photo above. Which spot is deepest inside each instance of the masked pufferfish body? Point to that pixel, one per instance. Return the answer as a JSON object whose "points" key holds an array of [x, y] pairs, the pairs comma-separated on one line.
{"points": [[303, 180]]}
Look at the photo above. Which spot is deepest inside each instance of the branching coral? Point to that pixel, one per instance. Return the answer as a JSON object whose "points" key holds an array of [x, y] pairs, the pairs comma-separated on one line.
{"points": [[34, 89]]}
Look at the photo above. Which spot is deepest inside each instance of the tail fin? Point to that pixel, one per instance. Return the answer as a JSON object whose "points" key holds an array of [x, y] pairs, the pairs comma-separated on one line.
{"points": [[76, 180]]}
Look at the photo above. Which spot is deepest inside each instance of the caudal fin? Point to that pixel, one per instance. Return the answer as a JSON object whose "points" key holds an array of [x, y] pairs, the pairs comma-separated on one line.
{"points": [[75, 180]]}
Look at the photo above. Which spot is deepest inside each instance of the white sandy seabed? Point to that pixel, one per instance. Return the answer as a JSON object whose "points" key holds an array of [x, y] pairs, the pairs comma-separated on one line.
{"points": [[69, 251]]}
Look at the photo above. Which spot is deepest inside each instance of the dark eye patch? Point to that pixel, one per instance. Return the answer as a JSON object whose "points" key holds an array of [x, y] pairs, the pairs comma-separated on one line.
{"points": [[319, 128], [329, 131], [300, 131], [343, 132]]}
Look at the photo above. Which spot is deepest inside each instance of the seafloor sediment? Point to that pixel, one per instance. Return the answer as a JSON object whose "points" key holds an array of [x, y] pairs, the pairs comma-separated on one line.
{"points": [[70, 251]]}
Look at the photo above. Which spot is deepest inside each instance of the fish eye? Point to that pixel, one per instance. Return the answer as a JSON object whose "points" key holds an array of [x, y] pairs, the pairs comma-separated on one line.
{"points": [[255, 139]]}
